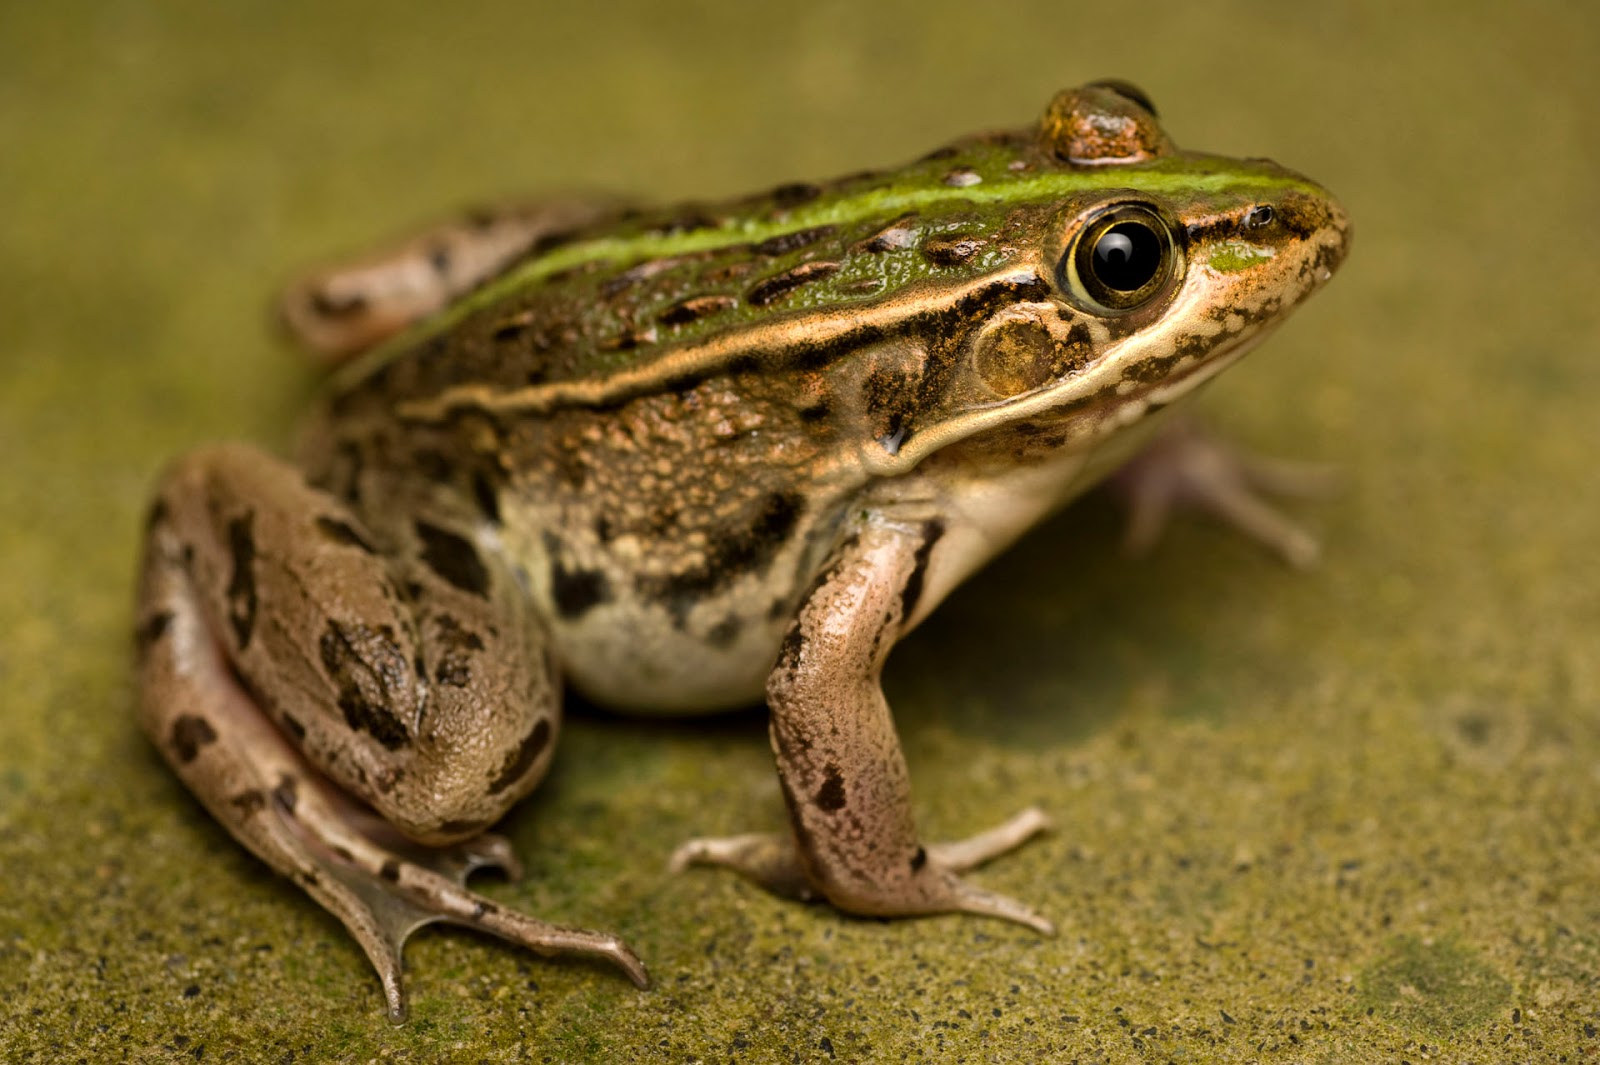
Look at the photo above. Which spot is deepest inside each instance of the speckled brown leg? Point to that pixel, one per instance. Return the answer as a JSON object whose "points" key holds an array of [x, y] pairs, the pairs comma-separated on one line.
{"points": [[262, 600], [839, 760], [1187, 466]]}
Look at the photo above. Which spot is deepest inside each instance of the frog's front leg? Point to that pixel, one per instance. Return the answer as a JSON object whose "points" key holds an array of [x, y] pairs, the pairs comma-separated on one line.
{"points": [[839, 760], [1187, 466], [290, 659]]}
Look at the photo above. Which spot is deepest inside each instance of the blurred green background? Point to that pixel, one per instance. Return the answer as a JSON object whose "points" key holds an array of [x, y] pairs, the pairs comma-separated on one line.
{"points": [[1343, 816]]}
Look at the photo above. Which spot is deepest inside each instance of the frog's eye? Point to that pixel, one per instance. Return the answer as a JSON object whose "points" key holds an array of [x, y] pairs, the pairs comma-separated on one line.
{"points": [[1122, 258]]}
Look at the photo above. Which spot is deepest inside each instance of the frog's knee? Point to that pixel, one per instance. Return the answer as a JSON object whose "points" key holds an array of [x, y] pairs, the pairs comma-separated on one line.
{"points": [[458, 789]]}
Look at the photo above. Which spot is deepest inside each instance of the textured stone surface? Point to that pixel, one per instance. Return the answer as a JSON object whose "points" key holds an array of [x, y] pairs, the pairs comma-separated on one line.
{"points": [[1347, 816]]}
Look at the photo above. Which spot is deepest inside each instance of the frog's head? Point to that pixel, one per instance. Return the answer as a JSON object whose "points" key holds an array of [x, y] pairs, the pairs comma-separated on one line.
{"points": [[1150, 269]]}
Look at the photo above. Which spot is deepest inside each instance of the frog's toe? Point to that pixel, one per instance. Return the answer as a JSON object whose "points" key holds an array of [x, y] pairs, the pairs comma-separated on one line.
{"points": [[768, 859], [966, 898], [1187, 466], [969, 853]]}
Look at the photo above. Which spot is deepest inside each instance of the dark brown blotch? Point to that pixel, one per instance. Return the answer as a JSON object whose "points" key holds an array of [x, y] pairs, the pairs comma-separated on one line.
{"points": [[795, 193], [521, 760], [189, 734], [951, 251], [365, 667], [911, 593], [784, 243], [725, 632], [241, 592], [695, 308], [487, 497], [390, 870], [730, 555], [830, 796], [576, 590], [775, 288], [629, 339], [287, 793], [246, 803], [154, 627], [453, 557], [896, 236]]}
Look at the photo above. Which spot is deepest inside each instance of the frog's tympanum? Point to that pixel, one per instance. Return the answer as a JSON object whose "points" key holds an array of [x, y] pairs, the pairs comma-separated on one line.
{"points": [[682, 460]]}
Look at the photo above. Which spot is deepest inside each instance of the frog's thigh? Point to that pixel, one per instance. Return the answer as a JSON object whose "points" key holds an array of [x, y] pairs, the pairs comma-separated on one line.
{"points": [[261, 601], [839, 759], [415, 678]]}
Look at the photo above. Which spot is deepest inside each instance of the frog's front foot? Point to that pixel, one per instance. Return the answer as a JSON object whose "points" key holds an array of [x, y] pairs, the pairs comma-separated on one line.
{"points": [[853, 841], [1188, 466], [932, 886]]}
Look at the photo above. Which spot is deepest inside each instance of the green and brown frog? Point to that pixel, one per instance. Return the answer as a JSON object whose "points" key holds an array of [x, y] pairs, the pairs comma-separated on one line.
{"points": [[682, 460]]}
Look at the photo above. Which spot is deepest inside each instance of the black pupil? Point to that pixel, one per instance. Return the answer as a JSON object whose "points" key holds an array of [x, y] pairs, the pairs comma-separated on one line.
{"points": [[1127, 256]]}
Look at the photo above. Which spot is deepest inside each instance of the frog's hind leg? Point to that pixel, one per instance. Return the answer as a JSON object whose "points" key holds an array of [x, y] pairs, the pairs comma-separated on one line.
{"points": [[347, 307], [223, 653], [1187, 466]]}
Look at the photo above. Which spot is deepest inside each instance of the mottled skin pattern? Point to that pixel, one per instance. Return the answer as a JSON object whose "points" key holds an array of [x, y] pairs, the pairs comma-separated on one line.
{"points": [[681, 458]]}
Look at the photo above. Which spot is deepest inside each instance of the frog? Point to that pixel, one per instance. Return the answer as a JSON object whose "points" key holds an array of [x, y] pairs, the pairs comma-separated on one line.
{"points": [[686, 459]]}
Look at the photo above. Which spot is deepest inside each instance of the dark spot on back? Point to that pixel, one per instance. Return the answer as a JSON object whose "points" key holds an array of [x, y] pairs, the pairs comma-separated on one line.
{"points": [[830, 797], [294, 727], [775, 288], [919, 859], [189, 734], [897, 235], [390, 870], [694, 308], [342, 532], [951, 251], [242, 584], [520, 760], [795, 193], [784, 243], [452, 557]]}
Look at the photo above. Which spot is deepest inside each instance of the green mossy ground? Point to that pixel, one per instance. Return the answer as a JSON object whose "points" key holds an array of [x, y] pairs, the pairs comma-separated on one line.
{"points": [[1344, 816]]}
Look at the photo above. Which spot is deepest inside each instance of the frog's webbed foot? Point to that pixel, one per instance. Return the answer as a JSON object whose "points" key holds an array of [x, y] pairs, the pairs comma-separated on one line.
{"points": [[773, 861], [1187, 466]]}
